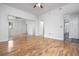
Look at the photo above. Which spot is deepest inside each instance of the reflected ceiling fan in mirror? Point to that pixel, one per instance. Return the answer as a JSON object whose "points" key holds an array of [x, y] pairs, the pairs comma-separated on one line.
{"points": [[38, 5]]}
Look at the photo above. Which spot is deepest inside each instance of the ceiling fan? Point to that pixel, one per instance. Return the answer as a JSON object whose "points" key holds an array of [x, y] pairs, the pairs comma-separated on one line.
{"points": [[38, 5]]}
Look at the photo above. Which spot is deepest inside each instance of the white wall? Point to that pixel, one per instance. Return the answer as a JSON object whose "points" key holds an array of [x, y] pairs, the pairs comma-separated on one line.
{"points": [[74, 26], [54, 20], [37, 27], [4, 12], [30, 27], [53, 24]]}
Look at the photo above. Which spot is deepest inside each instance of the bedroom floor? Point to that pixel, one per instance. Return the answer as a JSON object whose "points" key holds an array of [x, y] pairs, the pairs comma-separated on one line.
{"points": [[38, 46]]}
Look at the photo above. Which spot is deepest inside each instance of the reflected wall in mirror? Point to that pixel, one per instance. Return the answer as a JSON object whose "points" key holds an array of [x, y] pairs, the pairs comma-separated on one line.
{"points": [[20, 27]]}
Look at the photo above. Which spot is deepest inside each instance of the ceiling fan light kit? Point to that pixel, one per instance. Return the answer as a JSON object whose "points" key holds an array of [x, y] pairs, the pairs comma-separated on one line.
{"points": [[38, 5]]}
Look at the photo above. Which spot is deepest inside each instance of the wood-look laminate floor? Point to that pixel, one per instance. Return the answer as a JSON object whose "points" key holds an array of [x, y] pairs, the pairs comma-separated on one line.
{"points": [[37, 46]]}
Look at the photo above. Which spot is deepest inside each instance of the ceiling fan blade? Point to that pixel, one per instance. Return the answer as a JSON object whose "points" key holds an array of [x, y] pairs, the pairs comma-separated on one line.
{"points": [[34, 6], [41, 6]]}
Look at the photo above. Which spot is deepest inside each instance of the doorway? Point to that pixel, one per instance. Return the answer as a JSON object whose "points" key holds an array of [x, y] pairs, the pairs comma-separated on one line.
{"points": [[41, 29], [66, 29], [71, 27], [17, 26]]}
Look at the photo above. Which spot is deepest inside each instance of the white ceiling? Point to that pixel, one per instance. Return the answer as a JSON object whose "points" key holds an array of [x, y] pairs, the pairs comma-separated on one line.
{"points": [[37, 11]]}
